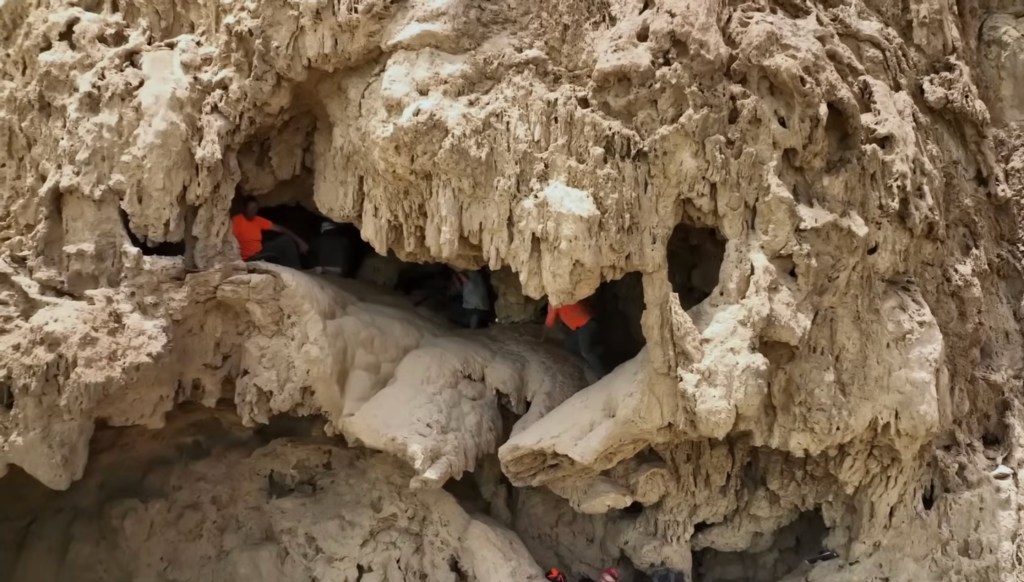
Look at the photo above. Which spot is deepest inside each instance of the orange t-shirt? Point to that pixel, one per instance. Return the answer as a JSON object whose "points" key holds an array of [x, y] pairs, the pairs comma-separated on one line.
{"points": [[249, 233], [575, 315]]}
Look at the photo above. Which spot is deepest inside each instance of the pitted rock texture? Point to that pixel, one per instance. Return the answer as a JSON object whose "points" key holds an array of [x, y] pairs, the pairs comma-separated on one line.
{"points": [[205, 499], [855, 371]]}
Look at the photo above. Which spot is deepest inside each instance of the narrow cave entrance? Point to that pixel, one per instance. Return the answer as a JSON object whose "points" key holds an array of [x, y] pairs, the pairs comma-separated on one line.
{"points": [[336, 246], [163, 249], [618, 306], [339, 249], [771, 556], [694, 259]]}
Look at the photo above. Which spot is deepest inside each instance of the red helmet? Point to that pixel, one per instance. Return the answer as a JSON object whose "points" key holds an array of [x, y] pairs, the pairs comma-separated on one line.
{"points": [[555, 575]]}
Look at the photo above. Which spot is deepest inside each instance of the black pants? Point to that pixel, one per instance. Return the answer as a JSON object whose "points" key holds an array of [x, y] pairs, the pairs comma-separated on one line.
{"points": [[584, 341], [467, 317], [333, 250], [280, 251]]}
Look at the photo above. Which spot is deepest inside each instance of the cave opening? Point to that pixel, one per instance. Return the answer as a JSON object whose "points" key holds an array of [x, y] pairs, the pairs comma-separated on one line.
{"points": [[618, 306], [335, 246], [162, 249], [694, 256], [338, 248], [694, 259], [771, 556]]}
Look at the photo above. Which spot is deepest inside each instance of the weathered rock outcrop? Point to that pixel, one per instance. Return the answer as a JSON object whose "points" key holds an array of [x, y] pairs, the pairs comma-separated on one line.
{"points": [[848, 380], [237, 507]]}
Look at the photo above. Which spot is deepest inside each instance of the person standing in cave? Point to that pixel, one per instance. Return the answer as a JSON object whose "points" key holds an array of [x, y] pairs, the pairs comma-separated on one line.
{"points": [[333, 250], [248, 228], [583, 332], [476, 301]]}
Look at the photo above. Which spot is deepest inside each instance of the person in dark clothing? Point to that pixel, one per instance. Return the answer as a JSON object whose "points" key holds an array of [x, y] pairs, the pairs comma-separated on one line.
{"points": [[583, 333], [334, 250], [476, 302], [248, 228]]}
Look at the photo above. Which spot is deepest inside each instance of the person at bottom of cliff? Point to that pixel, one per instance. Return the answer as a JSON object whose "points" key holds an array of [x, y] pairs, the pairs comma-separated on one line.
{"points": [[583, 332], [248, 228], [609, 575], [476, 303]]}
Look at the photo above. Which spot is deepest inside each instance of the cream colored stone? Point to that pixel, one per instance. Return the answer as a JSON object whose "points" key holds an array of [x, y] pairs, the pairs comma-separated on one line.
{"points": [[859, 349]]}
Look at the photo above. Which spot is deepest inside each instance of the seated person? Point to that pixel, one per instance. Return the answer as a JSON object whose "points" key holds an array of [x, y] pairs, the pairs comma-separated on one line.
{"points": [[248, 228]]}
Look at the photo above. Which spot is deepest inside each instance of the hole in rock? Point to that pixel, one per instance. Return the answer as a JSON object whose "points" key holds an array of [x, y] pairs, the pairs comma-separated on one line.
{"points": [[646, 6], [928, 497], [284, 426], [694, 259], [68, 33], [785, 550], [991, 440], [162, 249], [466, 491], [6, 396], [734, 114], [872, 249], [635, 508], [456, 568], [643, 33], [680, 50], [114, 38], [583, 102], [837, 131], [618, 306]]}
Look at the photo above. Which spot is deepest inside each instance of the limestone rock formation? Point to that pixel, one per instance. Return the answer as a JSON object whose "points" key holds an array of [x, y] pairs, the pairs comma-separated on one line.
{"points": [[244, 508], [799, 220]]}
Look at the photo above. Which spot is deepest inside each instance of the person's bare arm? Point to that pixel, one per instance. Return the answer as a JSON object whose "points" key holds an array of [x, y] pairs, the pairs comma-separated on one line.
{"points": [[303, 247]]}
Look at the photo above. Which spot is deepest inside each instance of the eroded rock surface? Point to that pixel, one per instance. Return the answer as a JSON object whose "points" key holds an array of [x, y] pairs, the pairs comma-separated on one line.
{"points": [[832, 353], [205, 499]]}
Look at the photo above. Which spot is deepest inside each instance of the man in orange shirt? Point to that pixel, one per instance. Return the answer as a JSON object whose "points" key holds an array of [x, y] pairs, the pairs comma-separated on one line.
{"points": [[582, 332], [248, 228]]}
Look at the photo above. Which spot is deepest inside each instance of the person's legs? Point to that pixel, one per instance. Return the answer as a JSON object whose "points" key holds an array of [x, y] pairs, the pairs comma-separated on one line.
{"points": [[280, 251], [589, 347], [332, 252], [476, 318]]}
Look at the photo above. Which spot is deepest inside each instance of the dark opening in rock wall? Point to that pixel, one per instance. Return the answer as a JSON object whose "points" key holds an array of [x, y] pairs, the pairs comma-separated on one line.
{"points": [[694, 260]]}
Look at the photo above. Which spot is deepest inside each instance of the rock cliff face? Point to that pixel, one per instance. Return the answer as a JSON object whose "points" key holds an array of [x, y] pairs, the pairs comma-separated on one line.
{"points": [[813, 207]]}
